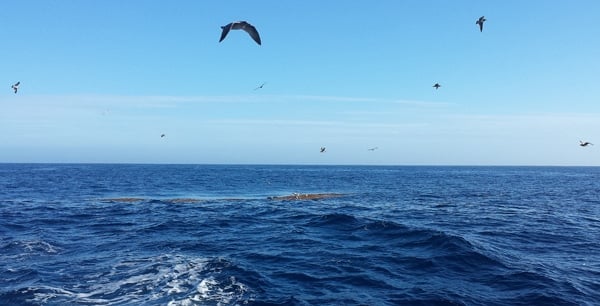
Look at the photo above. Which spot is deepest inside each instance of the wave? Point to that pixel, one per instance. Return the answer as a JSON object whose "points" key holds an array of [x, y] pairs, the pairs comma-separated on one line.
{"points": [[28, 248], [166, 280], [334, 220], [401, 252]]}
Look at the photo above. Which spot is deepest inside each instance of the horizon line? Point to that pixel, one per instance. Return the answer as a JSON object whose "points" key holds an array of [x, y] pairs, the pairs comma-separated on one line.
{"points": [[296, 164]]}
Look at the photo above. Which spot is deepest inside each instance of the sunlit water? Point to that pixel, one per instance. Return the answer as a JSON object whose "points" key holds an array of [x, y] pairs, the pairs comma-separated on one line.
{"points": [[212, 235]]}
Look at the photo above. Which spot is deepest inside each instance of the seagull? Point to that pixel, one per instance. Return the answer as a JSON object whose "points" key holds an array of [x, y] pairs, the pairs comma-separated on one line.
{"points": [[240, 25], [373, 149], [480, 22], [436, 86], [585, 144], [322, 149], [15, 87], [261, 86]]}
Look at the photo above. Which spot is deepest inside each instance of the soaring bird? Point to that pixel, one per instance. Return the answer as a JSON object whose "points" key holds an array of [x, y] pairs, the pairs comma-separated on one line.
{"points": [[480, 22], [322, 149], [240, 25], [15, 87], [585, 144], [373, 149], [436, 86], [162, 135], [261, 86]]}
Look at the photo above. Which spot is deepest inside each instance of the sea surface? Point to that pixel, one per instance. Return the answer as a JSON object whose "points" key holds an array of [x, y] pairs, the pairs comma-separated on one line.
{"points": [[126, 234]]}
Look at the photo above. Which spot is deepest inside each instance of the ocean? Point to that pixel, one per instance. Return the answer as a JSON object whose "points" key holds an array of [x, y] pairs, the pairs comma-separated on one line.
{"points": [[128, 234]]}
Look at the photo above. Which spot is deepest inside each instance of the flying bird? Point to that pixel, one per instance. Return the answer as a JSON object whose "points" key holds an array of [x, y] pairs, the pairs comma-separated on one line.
{"points": [[322, 149], [15, 87], [373, 149], [436, 86], [240, 25], [162, 135], [585, 144], [261, 86], [480, 22]]}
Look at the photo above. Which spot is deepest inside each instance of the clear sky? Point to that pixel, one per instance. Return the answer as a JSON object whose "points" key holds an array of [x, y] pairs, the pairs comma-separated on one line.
{"points": [[102, 80]]}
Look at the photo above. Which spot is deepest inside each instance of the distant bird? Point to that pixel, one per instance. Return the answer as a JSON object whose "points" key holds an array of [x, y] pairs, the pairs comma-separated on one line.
{"points": [[261, 86], [162, 135], [585, 144], [240, 25], [322, 149], [15, 87], [436, 86], [373, 149], [480, 22]]}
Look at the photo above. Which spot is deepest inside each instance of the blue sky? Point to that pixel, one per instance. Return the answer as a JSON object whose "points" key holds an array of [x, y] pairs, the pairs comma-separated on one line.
{"points": [[102, 80]]}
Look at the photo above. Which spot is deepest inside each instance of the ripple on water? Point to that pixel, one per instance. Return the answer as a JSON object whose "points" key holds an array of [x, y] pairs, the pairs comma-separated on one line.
{"points": [[166, 279]]}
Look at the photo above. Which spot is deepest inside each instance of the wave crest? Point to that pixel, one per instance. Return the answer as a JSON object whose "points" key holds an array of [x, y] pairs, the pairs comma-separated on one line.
{"points": [[166, 280]]}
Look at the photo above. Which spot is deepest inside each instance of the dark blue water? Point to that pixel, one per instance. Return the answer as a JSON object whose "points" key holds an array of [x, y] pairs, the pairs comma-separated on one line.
{"points": [[210, 235]]}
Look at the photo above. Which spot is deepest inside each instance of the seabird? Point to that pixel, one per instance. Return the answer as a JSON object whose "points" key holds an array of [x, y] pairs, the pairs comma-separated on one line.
{"points": [[261, 86], [322, 149], [480, 22], [436, 86], [240, 25], [585, 144], [15, 87]]}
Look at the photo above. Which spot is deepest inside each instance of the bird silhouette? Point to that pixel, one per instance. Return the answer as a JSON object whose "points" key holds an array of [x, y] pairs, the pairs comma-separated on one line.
{"points": [[322, 149], [373, 149], [261, 86], [585, 143], [15, 86], [480, 22], [240, 25], [436, 86], [162, 135]]}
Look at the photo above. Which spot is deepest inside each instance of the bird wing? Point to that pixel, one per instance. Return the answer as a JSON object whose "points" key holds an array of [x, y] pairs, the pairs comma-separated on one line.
{"points": [[250, 29], [480, 23], [226, 29], [18, 83]]}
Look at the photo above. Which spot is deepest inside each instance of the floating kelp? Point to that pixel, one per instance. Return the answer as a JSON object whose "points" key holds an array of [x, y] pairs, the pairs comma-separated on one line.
{"points": [[182, 200], [135, 200], [123, 200], [306, 196], [292, 197]]}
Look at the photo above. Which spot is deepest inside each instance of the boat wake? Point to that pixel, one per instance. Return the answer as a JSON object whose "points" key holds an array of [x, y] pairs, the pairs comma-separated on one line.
{"points": [[162, 280]]}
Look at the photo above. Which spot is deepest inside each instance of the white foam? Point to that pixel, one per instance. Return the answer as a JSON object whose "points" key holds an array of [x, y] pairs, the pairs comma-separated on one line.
{"points": [[205, 287], [184, 280], [210, 290], [50, 293], [35, 246]]}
